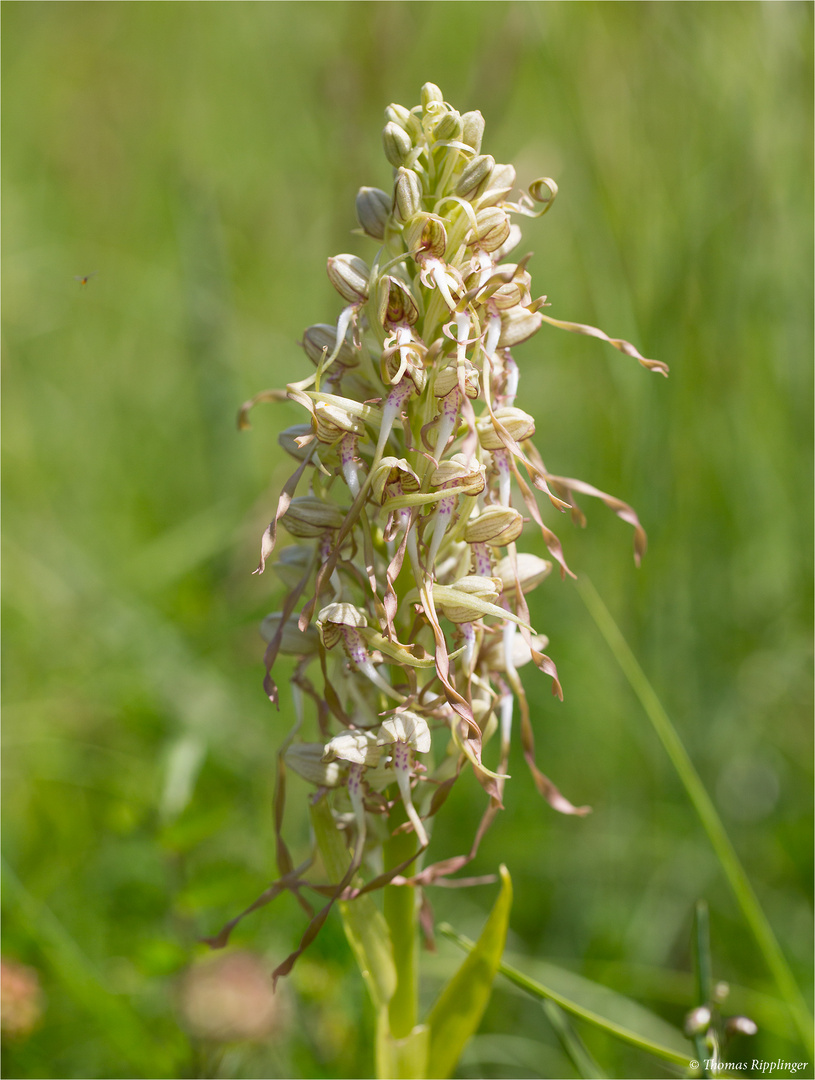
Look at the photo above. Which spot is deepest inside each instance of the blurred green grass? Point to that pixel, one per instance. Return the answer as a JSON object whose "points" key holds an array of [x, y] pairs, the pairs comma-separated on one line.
{"points": [[203, 158]]}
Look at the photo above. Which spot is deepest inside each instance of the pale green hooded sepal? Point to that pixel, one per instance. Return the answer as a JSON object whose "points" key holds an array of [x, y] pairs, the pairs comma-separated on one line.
{"points": [[457, 1013]]}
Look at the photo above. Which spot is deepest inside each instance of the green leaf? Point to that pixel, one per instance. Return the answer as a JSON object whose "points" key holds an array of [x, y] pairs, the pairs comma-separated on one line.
{"points": [[614, 1013], [458, 1011]]}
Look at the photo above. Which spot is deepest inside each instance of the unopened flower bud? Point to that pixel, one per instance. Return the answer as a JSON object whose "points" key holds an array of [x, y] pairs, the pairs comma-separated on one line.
{"points": [[721, 992], [475, 176], [491, 228], [397, 144], [295, 642], [497, 525], [308, 516], [407, 195], [373, 210], [334, 617], [448, 127], [405, 119], [397, 114], [517, 325], [531, 571], [306, 759], [740, 1025], [425, 235], [518, 423], [472, 129], [349, 276], [320, 340], [454, 600], [697, 1021], [430, 93]]}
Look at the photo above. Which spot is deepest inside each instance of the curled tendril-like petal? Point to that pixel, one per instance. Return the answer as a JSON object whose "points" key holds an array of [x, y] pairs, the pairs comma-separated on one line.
{"points": [[659, 366]]}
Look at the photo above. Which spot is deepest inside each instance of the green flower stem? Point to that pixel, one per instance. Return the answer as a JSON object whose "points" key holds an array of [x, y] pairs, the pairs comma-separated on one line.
{"points": [[704, 966], [704, 978], [400, 915], [708, 815]]}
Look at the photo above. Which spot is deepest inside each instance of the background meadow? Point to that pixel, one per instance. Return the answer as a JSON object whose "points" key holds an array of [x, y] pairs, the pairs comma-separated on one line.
{"points": [[201, 160]]}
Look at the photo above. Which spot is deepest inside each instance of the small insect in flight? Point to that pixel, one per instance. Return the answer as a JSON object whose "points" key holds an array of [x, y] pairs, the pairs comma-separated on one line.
{"points": [[83, 279]]}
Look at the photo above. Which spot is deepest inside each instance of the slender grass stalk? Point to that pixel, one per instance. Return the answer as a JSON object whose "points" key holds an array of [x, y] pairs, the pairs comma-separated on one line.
{"points": [[708, 815], [538, 990], [572, 1044], [704, 981], [704, 965]]}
